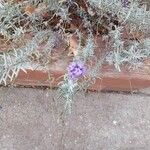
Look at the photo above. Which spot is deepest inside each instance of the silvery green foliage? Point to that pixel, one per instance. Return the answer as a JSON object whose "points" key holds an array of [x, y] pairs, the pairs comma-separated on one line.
{"points": [[88, 50], [133, 55], [134, 17], [17, 59], [14, 61], [116, 47], [67, 89], [9, 15], [63, 13], [52, 4]]}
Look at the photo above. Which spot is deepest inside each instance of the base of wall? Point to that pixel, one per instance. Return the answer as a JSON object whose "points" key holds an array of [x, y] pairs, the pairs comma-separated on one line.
{"points": [[111, 81]]}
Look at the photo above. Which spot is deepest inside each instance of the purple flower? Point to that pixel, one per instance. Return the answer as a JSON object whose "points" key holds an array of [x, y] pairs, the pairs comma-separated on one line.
{"points": [[76, 69], [125, 3]]}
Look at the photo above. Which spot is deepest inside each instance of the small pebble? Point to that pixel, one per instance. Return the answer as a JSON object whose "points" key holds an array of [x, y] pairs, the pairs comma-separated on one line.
{"points": [[115, 122]]}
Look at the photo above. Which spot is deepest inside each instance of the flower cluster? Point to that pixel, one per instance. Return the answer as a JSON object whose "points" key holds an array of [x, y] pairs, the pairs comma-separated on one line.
{"points": [[76, 69], [125, 3]]}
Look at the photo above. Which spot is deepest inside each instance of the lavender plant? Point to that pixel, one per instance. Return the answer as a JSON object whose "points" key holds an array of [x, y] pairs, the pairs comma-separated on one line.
{"points": [[84, 19]]}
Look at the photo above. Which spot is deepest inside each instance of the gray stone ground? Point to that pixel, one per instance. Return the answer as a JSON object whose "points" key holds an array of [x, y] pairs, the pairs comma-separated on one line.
{"points": [[32, 119]]}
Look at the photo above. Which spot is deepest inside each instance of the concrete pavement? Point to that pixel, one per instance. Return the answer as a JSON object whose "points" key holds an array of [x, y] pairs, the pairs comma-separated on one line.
{"points": [[32, 119]]}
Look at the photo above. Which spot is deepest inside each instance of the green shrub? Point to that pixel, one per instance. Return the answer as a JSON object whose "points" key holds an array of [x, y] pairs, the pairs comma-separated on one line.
{"points": [[47, 20]]}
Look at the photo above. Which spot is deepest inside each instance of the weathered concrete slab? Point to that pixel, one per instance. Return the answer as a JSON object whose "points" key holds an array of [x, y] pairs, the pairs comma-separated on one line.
{"points": [[145, 91], [31, 119]]}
